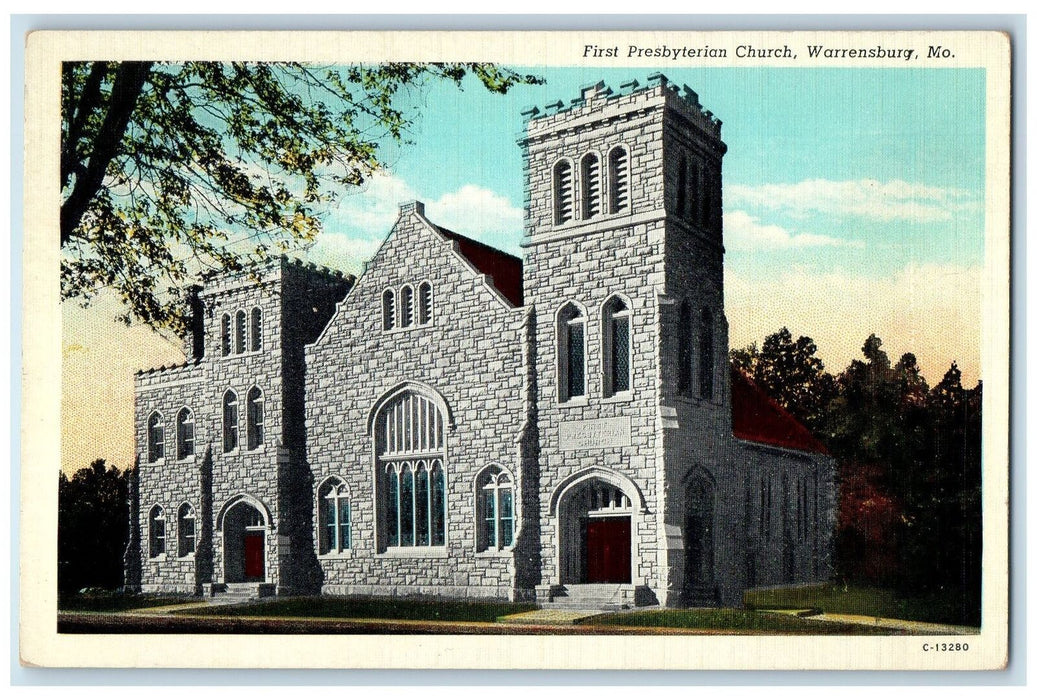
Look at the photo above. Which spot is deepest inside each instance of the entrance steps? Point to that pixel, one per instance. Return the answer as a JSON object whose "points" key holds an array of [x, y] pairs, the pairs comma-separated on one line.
{"points": [[590, 596], [241, 592]]}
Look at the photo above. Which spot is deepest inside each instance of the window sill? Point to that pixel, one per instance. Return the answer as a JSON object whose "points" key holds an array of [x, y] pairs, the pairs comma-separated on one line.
{"points": [[189, 459], [495, 553], [621, 397], [331, 556], [186, 557], [158, 557], [407, 329], [575, 401], [240, 355], [415, 553]]}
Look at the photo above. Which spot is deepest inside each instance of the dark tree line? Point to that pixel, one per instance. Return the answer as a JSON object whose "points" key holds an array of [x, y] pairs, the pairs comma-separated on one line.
{"points": [[93, 526], [908, 457]]}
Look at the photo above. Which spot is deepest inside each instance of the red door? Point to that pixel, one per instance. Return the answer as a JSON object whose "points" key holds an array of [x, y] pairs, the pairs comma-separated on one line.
{"points": [[608, 550], [254, 555]]}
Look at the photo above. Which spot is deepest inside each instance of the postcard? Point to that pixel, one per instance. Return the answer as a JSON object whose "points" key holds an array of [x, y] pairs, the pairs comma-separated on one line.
{"points": [[548, 350]]}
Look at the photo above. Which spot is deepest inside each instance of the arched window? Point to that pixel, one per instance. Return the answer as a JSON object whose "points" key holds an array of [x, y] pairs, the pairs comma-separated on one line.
{"points": [[615, 351], [571, 352], [590, 186], [684, 337], [184, 433], [336, 532], [156, 532], [254, 417], [185, 530], [682, 182], [388, 309], [562, 186], [239, 333], [156, 437], [619, 180], [495, 509], [411, 458], [425, 303], [406, 306], [257, 330], [706, 355], [230, 421], [225, 335]]}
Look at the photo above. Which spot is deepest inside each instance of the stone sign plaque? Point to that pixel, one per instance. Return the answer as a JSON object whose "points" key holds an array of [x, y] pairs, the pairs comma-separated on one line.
{"points": [[590, 434]]}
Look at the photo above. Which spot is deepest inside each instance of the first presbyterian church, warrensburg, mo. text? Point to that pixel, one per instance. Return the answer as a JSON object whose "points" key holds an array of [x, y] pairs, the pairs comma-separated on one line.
{"points": [[458, 422]]}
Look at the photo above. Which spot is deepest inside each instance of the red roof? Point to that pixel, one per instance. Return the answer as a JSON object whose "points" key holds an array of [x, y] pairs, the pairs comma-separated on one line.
{"points": [[505, 270], [757, 418]]}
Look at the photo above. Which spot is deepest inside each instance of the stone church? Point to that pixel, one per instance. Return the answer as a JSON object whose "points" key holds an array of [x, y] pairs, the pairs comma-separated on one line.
{"points": [[459, 422]]}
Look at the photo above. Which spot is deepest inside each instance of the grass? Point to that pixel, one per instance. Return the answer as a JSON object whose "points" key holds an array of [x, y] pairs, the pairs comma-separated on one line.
{"points": [[116, 602], [946, 607], [732, 619], [372, 608]]}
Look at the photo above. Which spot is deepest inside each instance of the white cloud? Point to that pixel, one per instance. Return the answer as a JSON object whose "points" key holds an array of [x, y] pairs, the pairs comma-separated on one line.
{"points": [[883, 201], [745, 232], [478, 212], [931, 310]]}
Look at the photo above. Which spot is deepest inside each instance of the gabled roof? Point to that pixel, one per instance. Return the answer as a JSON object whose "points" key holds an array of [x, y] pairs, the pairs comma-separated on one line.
{"points": [[756, 417], [504, 270]]}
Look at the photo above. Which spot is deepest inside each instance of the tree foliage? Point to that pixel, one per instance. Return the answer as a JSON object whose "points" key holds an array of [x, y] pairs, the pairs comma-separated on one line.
{"points": [[93, 517], [908, 456], [172, 169]]}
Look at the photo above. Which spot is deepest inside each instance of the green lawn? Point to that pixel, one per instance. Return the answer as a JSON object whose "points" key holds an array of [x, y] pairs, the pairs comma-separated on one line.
{"points": [[732, 619], [117, 602], [374, 608], [942, 607]]}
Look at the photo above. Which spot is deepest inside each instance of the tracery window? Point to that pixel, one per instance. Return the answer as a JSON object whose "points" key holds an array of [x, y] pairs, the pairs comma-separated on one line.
{"points": [[254, 417], [225, 335], [684, 338], [230, 421], [336, 528], [562, 180], [411, 458], [619, 180], [185, 530], [615, 324], [184, 433], [156, 437], [156, 531], [590, 186], [571, 352], [495, 509]]}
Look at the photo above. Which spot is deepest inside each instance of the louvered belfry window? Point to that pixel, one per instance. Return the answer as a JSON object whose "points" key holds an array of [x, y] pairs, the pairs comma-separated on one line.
{"points": [[563, 192], [411, 458], [590, 181], [619, 180]]}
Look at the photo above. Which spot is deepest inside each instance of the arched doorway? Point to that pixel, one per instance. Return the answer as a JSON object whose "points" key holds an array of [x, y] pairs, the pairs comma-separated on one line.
{"points": [[595, 523], [244, 544], [699, 526]]}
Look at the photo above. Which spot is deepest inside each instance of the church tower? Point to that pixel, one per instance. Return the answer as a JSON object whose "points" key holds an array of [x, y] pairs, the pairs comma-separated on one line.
{"points": [[624, 269]]}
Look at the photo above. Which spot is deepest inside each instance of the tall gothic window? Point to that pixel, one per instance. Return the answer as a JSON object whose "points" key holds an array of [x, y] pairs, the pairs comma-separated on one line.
{"points": [[336, 528], [185, 530], [255, 417], [615, 352], [239, 333], [411, 459], [156, 532], [706, 369], [425, 303], [406, 306], [684, 337], [184, 433], [563, 192], [571, 352], [590, 186], [230, 421], [156, 437], [619, 180], [388, 309], [495, 507], [257, 330], [225, 335]]}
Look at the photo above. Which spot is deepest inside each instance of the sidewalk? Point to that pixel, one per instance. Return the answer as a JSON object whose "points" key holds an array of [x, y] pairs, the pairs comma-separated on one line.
{"points": [[884, 622]]}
